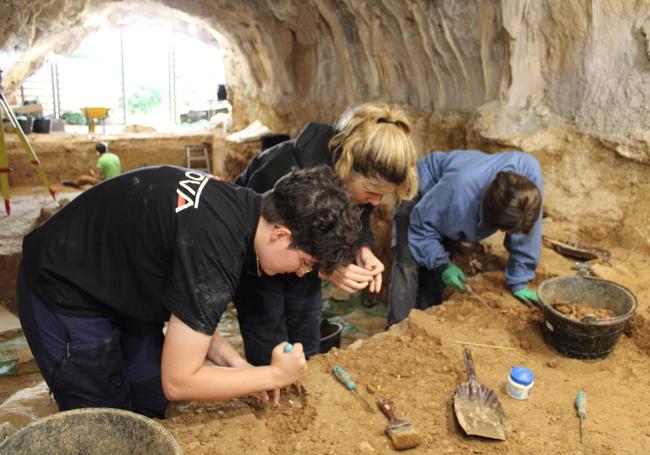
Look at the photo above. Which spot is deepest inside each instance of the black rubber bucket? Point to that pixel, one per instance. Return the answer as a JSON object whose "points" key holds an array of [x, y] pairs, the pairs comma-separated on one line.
{"points": [[92, 431], [588, 338], [26, 124], [330, 335]]}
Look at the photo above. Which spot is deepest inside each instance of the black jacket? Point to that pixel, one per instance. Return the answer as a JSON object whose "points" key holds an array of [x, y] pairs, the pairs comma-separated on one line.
{"points": [[309, 149]]}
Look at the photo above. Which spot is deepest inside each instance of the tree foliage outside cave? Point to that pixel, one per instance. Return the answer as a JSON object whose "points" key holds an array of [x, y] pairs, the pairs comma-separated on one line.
{"points": [[144, 100]]}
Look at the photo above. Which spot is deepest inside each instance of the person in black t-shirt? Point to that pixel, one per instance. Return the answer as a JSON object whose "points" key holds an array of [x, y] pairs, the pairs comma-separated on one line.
{"points": [[99, 279], [371, 150]]}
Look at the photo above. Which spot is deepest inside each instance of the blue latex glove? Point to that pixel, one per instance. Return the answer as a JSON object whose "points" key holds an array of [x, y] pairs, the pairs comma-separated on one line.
{"points": [[527, 296], [454, 276]]}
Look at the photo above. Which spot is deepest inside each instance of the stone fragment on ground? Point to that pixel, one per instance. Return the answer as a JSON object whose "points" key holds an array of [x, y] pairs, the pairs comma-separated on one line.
{"points": [[8, 322]]}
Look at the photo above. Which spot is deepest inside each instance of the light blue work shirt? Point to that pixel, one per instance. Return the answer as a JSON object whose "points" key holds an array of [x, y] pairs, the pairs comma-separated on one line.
{"points": [[452, 186]]}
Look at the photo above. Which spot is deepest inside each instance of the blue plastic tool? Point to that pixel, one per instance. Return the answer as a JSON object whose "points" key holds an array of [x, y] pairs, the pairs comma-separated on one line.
{"points": [[344, 378], [581, 406], [288, 348]]}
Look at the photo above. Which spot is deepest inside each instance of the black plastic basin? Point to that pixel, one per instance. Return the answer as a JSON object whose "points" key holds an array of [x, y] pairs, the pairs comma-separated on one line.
{"points": [[587, 338]]}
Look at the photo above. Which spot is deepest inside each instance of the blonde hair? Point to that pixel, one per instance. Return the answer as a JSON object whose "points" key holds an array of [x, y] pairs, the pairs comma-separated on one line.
{"points": [[374, 141]]}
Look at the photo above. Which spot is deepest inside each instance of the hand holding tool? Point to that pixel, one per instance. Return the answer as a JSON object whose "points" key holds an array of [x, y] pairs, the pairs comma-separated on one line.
{"points": [[527, 296], [400, 432], [288, 348], [581, 406], [344, 378], [454, 276]]}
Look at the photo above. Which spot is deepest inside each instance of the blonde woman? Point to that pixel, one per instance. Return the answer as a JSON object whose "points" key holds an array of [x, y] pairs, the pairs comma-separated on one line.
{"points": [[371, 150]]}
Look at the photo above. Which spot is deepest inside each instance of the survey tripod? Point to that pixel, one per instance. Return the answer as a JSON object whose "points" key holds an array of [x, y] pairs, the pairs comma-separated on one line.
{"points": [[4, 162]]}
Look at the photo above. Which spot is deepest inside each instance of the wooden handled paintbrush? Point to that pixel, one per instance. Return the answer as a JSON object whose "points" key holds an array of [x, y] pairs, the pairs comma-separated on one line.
{"points": [[400, 432]]}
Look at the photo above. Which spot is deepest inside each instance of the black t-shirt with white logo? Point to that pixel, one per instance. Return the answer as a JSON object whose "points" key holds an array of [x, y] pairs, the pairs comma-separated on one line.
{"points": [[148, 243]]}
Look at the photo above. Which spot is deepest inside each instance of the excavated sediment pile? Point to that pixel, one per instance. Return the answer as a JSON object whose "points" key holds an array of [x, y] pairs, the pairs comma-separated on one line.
{"points": [[418, 365]]}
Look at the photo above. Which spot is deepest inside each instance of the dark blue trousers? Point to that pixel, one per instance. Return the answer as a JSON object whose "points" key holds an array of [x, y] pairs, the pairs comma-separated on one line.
{"points": [[273, 309], [94, 361]]}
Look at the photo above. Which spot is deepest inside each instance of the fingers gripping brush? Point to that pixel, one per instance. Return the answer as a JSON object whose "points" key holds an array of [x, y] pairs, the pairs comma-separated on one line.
{"points": [[400, 432]]}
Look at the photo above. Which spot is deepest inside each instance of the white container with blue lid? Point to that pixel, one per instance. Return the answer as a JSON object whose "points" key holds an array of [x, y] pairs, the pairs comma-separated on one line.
{"points": [[520, 382]]}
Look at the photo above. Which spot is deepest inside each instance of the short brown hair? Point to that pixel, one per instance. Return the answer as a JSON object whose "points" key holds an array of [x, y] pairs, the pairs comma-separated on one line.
{"points": [[511, 203]]}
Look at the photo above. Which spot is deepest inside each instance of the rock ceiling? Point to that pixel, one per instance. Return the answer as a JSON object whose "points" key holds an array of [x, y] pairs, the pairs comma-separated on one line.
{"points": [[514, 64]]}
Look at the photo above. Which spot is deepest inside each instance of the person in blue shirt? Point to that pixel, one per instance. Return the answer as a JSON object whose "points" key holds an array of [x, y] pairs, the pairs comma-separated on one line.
{"points": [[465, 196]]}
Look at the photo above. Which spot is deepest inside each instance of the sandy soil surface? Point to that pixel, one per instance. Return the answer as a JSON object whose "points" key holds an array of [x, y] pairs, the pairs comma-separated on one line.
{"points": [[418, 365]]}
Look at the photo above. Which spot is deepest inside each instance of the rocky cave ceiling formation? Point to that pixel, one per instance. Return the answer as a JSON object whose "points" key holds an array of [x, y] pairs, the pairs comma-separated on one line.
{"points": [[518, 64]]}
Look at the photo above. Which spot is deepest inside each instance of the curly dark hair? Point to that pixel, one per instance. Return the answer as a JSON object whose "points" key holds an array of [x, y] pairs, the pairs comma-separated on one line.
{"points": [[314, 204], [511, 203]]}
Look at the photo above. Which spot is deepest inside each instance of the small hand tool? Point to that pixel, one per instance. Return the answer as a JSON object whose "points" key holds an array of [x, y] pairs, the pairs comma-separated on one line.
{"points": [[581, 406], [471, 291], [477, 407], [344, 379], [288, 348], [400, 432]]}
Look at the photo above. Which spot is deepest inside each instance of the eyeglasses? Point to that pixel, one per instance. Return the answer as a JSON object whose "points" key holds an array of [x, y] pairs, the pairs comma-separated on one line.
{"points": [[304, 268]]}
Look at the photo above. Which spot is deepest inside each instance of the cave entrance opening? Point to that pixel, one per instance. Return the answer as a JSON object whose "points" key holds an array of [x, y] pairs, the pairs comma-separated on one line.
{"points": [[154, 72]]}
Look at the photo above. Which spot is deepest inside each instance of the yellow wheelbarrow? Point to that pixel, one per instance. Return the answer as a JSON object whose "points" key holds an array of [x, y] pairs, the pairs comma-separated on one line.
{"points": [[94, 113]]}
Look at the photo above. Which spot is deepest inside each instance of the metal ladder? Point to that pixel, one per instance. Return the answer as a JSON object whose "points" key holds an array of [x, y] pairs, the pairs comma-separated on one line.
{"points": [[198, 157]]}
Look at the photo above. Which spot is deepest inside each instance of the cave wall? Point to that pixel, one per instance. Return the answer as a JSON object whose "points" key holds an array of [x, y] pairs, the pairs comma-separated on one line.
{"points": [[582, 62], [568, 81]]}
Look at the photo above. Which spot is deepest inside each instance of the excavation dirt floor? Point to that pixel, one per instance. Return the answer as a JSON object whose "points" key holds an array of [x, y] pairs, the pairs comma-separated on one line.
{"points": [[418, 364]]}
